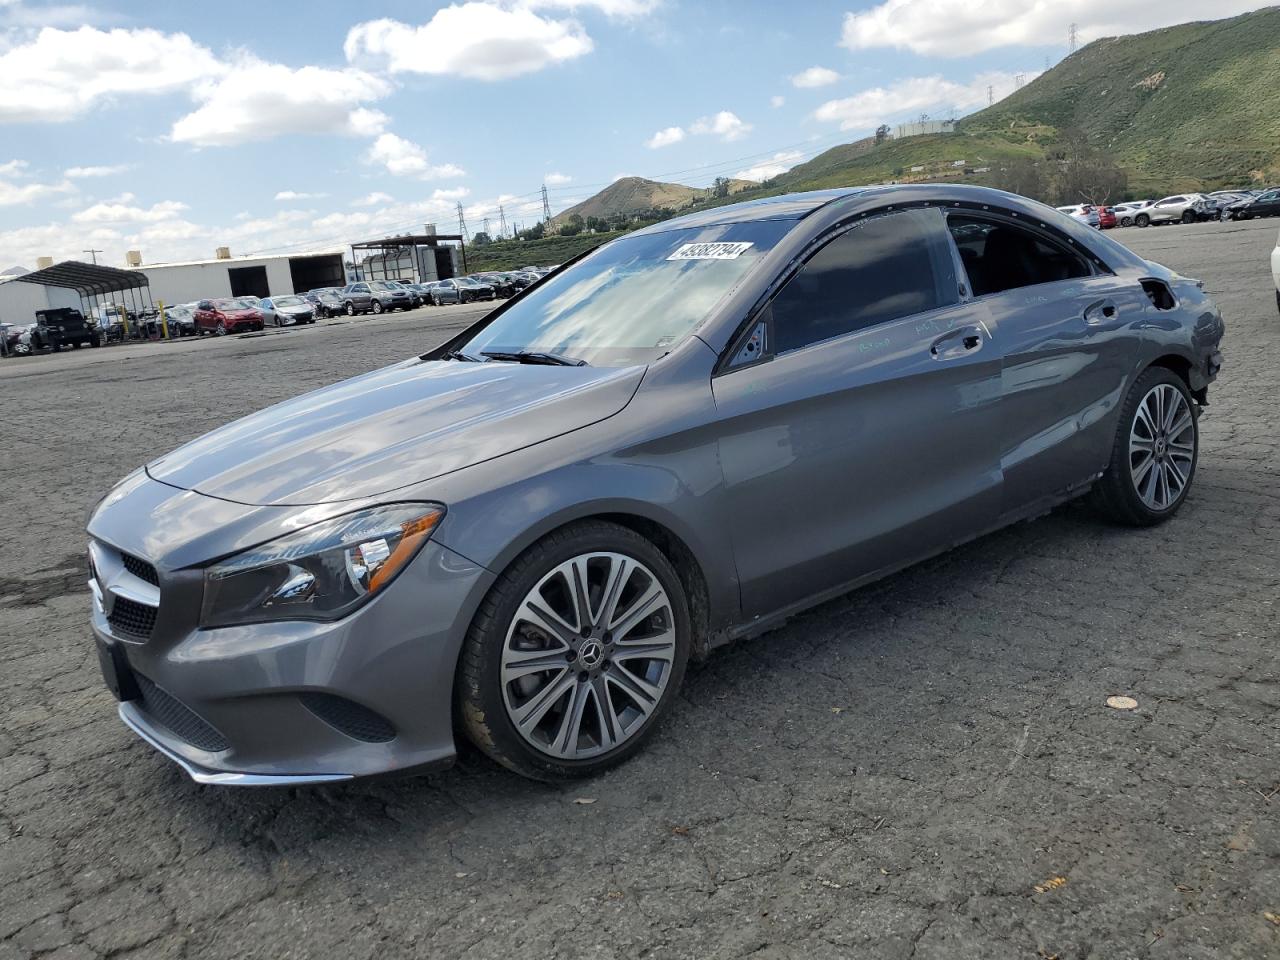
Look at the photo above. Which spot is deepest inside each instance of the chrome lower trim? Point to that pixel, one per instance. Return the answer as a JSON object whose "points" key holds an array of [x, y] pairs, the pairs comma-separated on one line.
{"points": [[130, 715]]}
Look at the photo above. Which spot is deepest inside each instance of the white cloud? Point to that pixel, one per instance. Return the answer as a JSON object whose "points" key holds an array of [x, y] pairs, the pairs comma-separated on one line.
{"points": [[665, 138], [14, 13], [477, 40], [287, 195], [777, 102], [932, 27], [120, 211], [725, 125], [815, 77], [404, 158], [61, 74], [373, 199], [13, 168], [556, 179], [868, 108], [256, 100], [452, 193], [15, 194], [80, 173], [767, 169]]}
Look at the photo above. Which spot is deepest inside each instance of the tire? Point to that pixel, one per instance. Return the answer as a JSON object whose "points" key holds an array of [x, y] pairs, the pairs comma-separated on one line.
{"points": [[221, 329], [1142, 220], [376, 306], [95, 342], [351, 309], [551, 748], [1130, 495], [1126, 221], [434, 301], [1278, 299], [76, 345], [1188, 216]]}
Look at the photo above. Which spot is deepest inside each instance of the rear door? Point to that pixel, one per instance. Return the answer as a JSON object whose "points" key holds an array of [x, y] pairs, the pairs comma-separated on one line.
{"points": [[859, 415], [1064, 323]]}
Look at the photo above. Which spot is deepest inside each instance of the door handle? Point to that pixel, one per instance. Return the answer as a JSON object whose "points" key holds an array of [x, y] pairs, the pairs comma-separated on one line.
{"points": [[956, 343], [1100, 312]]}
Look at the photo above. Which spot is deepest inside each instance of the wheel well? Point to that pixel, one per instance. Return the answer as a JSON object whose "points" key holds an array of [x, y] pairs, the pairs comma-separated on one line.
{"points": [[687, 568], [1182, 367]]}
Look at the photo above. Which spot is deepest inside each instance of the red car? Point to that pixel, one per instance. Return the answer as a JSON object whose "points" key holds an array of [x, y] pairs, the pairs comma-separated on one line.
{"points": [[1106, 218], [227, 315]]}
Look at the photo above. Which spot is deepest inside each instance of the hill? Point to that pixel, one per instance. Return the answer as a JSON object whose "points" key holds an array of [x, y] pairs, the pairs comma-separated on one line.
{"points": [[628, 196], [1186, 107]]}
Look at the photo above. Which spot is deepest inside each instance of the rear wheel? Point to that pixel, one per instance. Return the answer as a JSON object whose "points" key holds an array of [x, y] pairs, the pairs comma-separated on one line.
{"points": [[1157, 447], [1142, 220], [1126, 221], [575, 654]]}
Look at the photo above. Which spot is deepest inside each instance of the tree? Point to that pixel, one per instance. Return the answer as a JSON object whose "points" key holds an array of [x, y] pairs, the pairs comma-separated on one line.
{"points": [[535, 232], [882, 133], [481, 239], [597, 224], [1086, 174], [571, 227], [720, 189], [1023, 176]]}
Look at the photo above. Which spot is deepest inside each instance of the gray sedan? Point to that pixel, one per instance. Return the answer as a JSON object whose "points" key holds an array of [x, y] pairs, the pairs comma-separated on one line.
{"points": [[686, 436], [287, 310]]}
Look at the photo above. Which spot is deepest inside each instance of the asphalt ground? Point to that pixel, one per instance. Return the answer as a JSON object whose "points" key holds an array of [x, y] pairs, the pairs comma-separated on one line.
{"points": [[925, 768]]}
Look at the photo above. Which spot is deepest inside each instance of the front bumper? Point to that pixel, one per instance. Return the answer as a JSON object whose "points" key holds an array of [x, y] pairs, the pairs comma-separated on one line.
{"points": [[238, 705]]}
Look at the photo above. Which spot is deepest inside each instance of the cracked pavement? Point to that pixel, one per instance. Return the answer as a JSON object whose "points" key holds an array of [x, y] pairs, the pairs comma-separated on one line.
{"points": [[904, 772]]}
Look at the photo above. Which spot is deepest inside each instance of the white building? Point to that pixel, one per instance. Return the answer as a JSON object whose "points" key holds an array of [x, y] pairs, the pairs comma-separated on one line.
{"points": [[228, 276]]}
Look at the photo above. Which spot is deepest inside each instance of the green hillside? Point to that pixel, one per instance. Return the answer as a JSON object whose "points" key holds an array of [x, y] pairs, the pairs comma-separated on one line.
{"points": [[1191, 106], [513, 254]]}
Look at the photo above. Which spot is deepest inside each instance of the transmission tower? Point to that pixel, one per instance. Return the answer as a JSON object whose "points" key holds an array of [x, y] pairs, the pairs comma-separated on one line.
{"points": [[502, 221], [1072, 38], [462, 224], [486, 228], [1018, 80], [546, 205], [991, 95]]}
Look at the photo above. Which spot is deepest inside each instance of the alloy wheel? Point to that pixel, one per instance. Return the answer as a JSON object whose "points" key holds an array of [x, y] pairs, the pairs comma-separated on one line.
{"points": [[588, 656], [1162, 447]]}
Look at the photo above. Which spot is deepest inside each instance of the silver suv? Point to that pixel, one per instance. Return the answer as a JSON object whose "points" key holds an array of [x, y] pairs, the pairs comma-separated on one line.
{"points": [[1187, 208]]}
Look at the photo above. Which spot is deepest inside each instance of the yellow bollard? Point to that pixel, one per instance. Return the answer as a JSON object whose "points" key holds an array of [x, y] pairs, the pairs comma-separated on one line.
{"points": [[164, 322], [124, 322]]}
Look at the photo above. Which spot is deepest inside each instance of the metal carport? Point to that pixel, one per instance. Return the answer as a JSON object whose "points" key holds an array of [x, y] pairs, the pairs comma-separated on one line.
{"points": [[94, 283]]}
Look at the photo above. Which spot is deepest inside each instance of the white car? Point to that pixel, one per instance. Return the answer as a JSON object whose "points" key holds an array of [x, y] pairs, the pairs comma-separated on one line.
{"points": [[1183, 208], [1125, 212], [1275, 270], [1084, 212]]}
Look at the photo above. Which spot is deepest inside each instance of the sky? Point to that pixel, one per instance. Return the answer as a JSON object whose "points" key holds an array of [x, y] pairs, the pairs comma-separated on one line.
{"points": [[175, 128]]}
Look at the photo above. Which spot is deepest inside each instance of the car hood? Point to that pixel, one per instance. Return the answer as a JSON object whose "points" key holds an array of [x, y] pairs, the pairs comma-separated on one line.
{"points": [[391, 428], [238, 314]]}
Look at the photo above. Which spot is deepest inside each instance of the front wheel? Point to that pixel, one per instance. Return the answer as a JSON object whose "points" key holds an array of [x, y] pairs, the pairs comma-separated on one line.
{"points": [[376, 306], [1126, 221], [1157, 447], [221, 329], [575, 654], [1188, 216], [1142, 220], [351, 309]]}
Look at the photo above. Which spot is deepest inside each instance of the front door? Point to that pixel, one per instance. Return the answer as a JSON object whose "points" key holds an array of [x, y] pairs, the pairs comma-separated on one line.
{"points": [[865, 436]]}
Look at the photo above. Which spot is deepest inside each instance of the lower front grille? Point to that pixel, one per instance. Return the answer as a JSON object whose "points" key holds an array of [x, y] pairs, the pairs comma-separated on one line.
{"points": [[177, 718], [345, 716], [132, 619]]}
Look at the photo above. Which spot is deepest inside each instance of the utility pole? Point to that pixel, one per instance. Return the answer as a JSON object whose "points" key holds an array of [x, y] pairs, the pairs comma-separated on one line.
{"points": [[1072, 38], [462, 224], [93, 252], [502, 222], [546, 205]]}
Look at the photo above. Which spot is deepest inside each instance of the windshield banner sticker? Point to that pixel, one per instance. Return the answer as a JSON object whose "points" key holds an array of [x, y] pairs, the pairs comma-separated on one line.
{"points": [[710, 251]]}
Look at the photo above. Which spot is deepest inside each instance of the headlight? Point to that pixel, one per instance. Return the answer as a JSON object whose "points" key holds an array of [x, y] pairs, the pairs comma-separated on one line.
{"points": [[322, 572]]}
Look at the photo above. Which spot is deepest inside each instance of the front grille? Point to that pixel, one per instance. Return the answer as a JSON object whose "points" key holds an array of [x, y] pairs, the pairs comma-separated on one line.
{"points": [[177, 717], [357, 722], [140, 569], [132, 619]]}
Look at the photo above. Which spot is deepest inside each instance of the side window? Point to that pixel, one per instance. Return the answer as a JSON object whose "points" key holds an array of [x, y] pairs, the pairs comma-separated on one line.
{"points": [[884, 268], [1002, 256]]}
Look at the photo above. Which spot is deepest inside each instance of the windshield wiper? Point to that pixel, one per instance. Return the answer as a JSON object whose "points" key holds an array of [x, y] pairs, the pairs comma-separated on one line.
{"points": [[532, 356], [459, 355]]}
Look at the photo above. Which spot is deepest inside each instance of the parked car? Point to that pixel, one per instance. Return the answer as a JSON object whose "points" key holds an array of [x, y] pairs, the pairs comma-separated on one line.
{"points": [[228, 315], [287, 310], [16, 339], [375, 296], [415, 298], [459, 290], [689, 435], [1106, 218], [1083, 212], [181, 320], [327, 301], [61, 327], [1183, 208], [1125, 212], [1275, 270], [502, 285], [1265, 204], [421, 293]]}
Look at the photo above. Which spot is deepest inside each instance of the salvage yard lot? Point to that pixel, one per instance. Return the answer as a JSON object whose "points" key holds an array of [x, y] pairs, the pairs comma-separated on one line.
{"points": [[924, 768]]}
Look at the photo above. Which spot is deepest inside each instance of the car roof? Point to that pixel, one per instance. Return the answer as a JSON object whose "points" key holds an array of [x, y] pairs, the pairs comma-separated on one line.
{"points": [[787, 206]]}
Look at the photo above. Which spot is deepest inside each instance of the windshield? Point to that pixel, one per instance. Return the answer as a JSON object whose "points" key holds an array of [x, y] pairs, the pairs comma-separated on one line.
{"points": [[241, 303], [290, 302], [467, 282], [383, 285], [634, 299]]}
